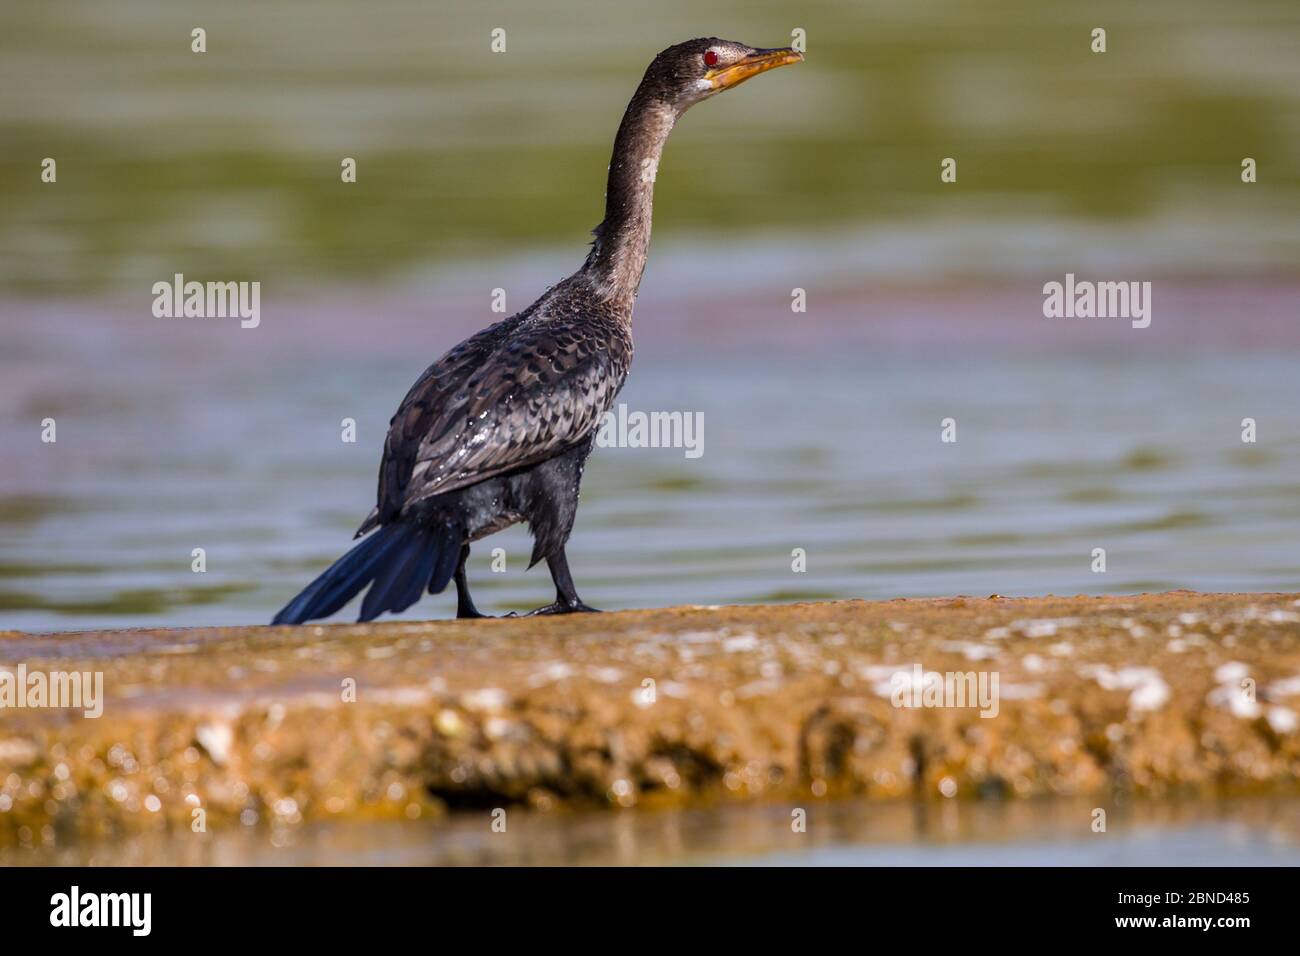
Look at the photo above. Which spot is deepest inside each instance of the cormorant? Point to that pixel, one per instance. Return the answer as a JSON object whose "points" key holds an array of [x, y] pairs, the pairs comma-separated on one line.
{"points": [[497, 430]]}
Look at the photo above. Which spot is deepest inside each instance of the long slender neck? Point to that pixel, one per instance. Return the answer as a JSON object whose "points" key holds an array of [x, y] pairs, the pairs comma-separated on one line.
{"points": [[618, 255]]}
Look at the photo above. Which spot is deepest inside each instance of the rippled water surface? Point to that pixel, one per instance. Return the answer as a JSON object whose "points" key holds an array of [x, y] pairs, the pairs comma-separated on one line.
{"points": [[232, 444], [480, 171]]}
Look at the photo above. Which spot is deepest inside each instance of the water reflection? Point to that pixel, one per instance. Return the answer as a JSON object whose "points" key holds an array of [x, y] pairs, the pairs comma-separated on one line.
{"points": [[1051, 833]]}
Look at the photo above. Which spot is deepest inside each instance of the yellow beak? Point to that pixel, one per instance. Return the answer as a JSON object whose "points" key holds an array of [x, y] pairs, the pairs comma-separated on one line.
{"points": [[760, 61]]}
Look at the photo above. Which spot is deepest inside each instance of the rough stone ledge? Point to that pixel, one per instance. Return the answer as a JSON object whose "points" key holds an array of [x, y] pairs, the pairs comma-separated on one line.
{"points": [[1151, 695]]}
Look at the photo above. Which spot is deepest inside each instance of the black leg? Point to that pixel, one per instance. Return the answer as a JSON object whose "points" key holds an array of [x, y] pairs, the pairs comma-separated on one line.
{"points": [[464, 603], [566, 595]]}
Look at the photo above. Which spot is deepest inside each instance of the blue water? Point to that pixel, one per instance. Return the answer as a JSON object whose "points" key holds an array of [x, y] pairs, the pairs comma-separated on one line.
{"points": [[168, 447]]}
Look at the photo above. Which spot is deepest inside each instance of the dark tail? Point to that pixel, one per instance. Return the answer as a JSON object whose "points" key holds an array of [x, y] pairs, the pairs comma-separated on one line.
{"points": [[400, 559]]}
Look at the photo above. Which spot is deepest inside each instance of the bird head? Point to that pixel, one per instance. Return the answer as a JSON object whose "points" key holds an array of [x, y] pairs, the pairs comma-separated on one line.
{"points": [[689, 72]]}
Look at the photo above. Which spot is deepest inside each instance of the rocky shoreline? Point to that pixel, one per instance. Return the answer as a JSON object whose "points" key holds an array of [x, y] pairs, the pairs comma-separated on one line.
{"points": [[1149, 696]]}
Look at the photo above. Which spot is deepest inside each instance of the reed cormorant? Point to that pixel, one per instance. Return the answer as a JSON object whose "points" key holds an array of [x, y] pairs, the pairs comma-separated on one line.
{"points": [[498, 429]]}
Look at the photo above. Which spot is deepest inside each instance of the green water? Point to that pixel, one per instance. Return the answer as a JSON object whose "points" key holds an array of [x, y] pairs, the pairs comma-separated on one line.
{"points": [[226, 163], [479, 170]]}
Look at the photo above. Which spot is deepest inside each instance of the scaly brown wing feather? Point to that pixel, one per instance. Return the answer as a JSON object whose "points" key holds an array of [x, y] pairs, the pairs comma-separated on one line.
{"points": [[511, 396]]}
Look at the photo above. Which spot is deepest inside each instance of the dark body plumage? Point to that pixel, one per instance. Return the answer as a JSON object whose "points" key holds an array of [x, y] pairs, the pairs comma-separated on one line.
{"points": [[498, 430]]}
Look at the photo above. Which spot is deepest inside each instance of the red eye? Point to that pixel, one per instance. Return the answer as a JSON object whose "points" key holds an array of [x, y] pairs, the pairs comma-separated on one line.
{"points": [[710, 58]]}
